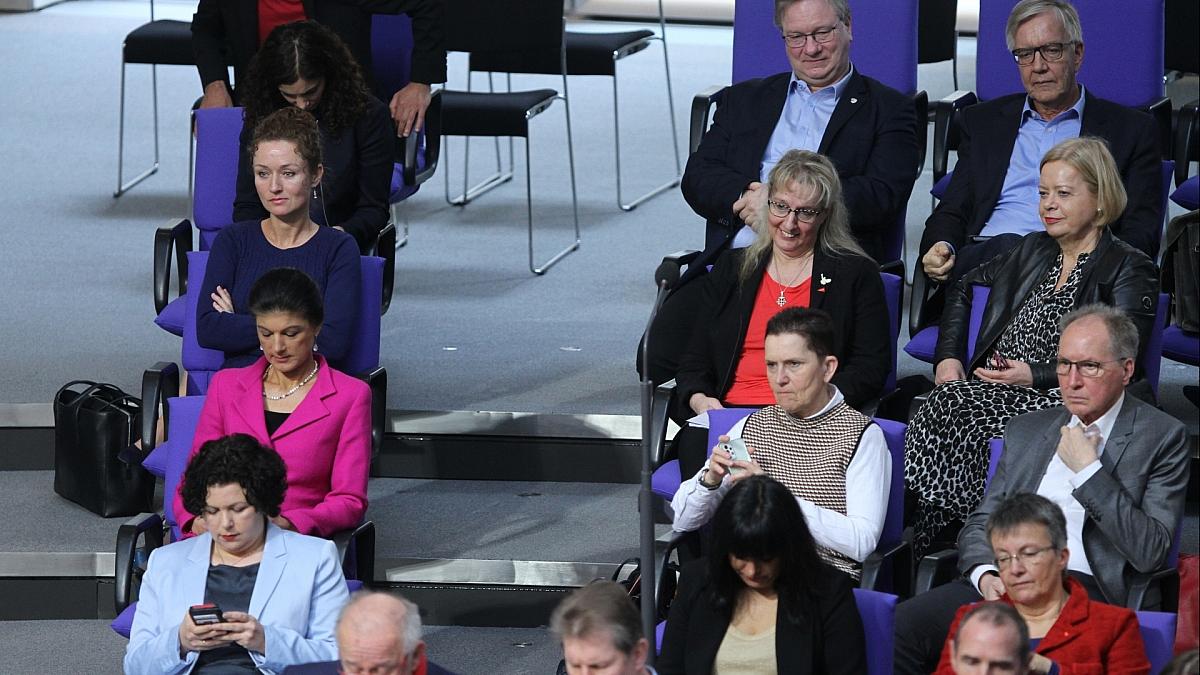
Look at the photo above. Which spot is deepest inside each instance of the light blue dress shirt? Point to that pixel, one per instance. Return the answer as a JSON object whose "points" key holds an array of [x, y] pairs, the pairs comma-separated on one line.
{"points": [[1017, 209], [801, 126]]}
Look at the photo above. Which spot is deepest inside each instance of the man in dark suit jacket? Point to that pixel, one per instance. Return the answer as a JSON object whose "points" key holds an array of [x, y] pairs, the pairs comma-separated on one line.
{"points": [[226, 32], [376, 633], [867, 129], [1118, 467], [993, 191]]}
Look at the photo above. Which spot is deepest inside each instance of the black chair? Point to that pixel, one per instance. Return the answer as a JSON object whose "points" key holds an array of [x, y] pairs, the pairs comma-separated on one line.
{"points": [[597, 54], [159, 42], [937, 37], [506, 36]]}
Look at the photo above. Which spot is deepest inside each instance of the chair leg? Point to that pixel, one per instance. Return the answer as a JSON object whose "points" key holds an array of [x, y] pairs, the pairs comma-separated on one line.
{"points": [[123, 187], [497, 179], [954, 61], [399, 216], [540, 270], [674, 182]]}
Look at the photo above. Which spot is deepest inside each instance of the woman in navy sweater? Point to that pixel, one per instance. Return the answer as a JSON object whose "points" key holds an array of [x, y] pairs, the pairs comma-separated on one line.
{"points": [[285, 152]]}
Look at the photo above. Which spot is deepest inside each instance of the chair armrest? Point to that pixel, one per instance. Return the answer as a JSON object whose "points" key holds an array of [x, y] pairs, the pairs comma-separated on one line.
{"points": [[1160, 110], [377, 381], [921, 103], [682, 257], [406, 148], [1167, 581], [916, 404], [922, 289], [159, 382], [1187, 140], [176, 236], [701, 104], [149, 524], [895, 267], [944, 137], [874, 563], [385, 247], [936, 569], [660, 406], [357, 562]]}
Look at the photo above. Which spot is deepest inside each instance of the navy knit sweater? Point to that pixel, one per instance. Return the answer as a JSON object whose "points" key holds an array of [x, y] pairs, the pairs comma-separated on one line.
{"points": [[241, 254]]}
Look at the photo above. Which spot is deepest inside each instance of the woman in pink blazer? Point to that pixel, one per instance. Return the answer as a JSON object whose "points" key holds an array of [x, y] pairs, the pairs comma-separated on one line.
{"points": [[315, 417]]}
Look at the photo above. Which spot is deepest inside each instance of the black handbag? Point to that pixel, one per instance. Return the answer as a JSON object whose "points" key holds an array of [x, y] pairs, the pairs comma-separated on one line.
{"points": [[91, 428], [1181, 270]]}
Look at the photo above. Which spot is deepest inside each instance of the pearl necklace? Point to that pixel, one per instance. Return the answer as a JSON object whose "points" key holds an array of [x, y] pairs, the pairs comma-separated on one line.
{"points": [[307, 378]]}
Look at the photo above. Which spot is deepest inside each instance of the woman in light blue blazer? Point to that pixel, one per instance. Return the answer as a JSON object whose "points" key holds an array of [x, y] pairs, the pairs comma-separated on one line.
{"points": [[279, 592]]}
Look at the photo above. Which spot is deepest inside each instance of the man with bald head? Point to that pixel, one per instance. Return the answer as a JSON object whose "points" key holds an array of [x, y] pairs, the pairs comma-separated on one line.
{"points": [[992, 638], [377, 633]]}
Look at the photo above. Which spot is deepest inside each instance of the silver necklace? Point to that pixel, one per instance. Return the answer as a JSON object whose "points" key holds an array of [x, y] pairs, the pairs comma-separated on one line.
{"points": [[782, 299], [307, 378]]}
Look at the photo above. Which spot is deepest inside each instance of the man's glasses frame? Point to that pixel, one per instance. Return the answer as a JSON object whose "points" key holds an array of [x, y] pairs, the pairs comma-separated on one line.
{"points": [[1051, 52], [820, 36], [1085, 368]]}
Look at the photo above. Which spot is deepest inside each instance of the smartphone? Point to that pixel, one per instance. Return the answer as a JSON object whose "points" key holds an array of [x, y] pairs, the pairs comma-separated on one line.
{"points": [[736, 448], [206, 614]]}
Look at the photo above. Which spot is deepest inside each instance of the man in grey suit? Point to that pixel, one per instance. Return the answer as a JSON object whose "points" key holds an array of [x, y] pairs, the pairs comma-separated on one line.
{"points": [[1116, 466]]}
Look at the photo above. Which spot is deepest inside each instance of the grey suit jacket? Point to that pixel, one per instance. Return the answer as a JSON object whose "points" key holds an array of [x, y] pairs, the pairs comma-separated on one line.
{"points": [[1133, 504]]}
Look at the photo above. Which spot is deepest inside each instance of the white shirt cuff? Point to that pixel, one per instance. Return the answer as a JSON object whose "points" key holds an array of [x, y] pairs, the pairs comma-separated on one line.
{"points": [[1085, 473], [977, 573]]}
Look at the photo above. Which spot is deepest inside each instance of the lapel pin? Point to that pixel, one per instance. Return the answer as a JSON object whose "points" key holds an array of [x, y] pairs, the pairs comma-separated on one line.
{"points": [[853, 100], [825, 280]]}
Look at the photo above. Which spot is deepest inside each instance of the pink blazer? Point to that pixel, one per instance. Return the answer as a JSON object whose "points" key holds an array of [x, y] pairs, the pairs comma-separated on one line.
{"points": [[325, 442]]}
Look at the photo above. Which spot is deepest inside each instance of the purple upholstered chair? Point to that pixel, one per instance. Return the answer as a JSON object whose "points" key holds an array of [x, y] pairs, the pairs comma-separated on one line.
{"points": [[878, 612], [1158, 635], [995, 450], [893, 294]]}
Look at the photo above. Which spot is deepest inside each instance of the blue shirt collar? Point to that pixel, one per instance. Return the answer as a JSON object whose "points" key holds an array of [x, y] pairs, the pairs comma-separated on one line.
{"points": [[1028, 112], [838, 87]]}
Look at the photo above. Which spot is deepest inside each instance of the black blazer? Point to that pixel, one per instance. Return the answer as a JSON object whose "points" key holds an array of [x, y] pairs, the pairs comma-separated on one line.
{"points": [[1117, 275], [871, 139], [853, 297], [988, 132], [826, 638], [225, 32]]}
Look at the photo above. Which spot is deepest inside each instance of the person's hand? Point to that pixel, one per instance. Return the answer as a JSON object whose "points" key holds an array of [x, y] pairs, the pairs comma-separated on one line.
{"points": [[938, 261], [991, 587], [1039, 664], [748, 468], [199, 526], [749, 206], [222, 300], [718, 463], [193, 638], [948, 370], [408, 108], [242, 629], [700, 402], [1017, 373], [1077, 449], [216, 95], [283, 523]]}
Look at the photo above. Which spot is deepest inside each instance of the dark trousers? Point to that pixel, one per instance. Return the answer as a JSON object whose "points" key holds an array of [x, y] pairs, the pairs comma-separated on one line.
{"points": [[923, 622]]}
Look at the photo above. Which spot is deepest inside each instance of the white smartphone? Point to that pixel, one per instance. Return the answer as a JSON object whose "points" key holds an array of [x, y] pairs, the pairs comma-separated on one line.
{"points": [[736, 448]]}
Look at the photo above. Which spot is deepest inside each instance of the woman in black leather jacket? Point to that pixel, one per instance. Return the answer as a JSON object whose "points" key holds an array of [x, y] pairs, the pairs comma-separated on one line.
{"points": [[1075, 261]]}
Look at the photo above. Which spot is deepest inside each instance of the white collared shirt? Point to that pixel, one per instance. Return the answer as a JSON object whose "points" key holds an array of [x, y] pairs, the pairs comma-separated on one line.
{"points": [[855, 534], [1058, 484]]}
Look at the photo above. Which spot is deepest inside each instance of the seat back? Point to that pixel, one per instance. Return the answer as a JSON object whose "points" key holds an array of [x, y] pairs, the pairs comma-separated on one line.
{"points": [[201, 363], [721, 420], [1152, 353], [893, 522], [218, 133], [878, 612], [979, 298], [185, 415], [1158, 635], [512, 36], [995, 449], [1109, 69], [893, 294], [391, 53]]}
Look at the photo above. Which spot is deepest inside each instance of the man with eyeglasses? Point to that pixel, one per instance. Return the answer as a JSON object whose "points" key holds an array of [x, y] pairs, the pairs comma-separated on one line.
{"points": [[824, 105], [992, 198], [1116, 466]]}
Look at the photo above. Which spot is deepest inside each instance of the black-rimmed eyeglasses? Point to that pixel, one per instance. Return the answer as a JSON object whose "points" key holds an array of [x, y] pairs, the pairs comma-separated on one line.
{"points": [[804, 215], [1051, 52], [1085, 368], [819, 36]]}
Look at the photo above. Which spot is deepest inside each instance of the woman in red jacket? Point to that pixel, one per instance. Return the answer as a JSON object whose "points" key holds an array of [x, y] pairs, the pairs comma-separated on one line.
{"points": [[1069, 633]]}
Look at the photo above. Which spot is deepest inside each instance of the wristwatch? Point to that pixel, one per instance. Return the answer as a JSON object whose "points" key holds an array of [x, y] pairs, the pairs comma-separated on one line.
{"points": [[704, 473]]}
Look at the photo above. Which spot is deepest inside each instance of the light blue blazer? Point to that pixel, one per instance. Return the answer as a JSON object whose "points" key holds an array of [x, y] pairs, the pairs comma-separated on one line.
{"points": [[297, 597]]}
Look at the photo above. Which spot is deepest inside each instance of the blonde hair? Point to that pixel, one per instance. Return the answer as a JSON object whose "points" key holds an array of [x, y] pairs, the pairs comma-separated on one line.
{"points": [[814, 171], [1090, 157], [840, 7]]}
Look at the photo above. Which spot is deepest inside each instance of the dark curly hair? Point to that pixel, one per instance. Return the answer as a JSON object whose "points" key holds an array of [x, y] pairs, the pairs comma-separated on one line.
{"points": [[287, 289], [294, 126], [760, 520], [306, 50], [239, 459]]}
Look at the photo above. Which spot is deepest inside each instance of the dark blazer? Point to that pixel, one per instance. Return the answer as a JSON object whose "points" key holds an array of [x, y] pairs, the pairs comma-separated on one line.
{"points": [[853, 297], [827, 637], [355, 189], [871, 139], [225, 32], [1133, 504], [1117, 275], [988, 132]]}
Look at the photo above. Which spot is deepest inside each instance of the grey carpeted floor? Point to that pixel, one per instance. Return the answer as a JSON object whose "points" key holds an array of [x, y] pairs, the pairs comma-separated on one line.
{"points": [[82, 646]]}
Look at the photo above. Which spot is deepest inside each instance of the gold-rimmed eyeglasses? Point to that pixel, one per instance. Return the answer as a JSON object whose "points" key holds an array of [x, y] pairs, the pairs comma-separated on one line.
{"points": [[1027, 557]]}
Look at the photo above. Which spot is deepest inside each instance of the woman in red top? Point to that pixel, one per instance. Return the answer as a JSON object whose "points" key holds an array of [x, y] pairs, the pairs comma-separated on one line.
{"points": [[804, 257]]}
